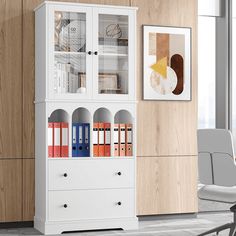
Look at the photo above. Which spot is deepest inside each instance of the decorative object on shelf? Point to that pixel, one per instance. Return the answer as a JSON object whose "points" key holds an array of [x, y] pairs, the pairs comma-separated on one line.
{"points": [[113, 31], [72, 36], [109, 83], [167, 63], [57, 22]]}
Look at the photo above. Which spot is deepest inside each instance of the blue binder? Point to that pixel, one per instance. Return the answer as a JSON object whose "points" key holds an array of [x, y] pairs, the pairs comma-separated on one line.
{"points": [[80, 139], [86, 135], [74, 139]]}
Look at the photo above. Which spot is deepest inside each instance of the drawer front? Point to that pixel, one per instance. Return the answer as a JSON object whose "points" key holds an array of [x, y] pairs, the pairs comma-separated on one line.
{"points": [[91, 204], [91, 174]]}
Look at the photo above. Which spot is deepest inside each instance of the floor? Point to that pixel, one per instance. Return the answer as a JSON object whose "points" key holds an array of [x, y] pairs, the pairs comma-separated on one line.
{"points": [[160, 227]]}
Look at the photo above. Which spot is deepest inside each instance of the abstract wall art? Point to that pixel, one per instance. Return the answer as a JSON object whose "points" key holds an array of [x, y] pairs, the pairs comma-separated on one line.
{"points": [[166, 63]]}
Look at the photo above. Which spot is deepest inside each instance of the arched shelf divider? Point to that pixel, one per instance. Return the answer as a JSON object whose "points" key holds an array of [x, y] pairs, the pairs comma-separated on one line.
{"points": [[102, 115], [81, 115], [123, 117], [59, 115]]}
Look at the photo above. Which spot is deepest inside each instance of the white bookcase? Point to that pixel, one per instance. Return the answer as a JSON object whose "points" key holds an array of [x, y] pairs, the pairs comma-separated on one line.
{"points": [[85, 72]]}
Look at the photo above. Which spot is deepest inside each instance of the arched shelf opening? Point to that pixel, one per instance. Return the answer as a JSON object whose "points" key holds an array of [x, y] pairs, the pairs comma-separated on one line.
{"points": [[59, 115], [123, 132], [123, 117], [81, 115], [102, 115]]}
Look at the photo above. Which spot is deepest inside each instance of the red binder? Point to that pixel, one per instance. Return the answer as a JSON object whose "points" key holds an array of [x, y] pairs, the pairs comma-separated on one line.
{"points": [[57, 139], [101, 146], [122, 139], [95, 139], [116, 139], [107, 128], [50, 139], [64, 140], [128, 140]]}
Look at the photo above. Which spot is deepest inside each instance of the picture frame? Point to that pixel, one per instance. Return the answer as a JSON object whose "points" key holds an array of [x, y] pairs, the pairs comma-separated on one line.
{"points": [[166, 63], [109, 83]]}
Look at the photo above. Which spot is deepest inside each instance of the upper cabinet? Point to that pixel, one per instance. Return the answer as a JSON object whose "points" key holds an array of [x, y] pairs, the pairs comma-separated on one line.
{"points": [[88, 52]]}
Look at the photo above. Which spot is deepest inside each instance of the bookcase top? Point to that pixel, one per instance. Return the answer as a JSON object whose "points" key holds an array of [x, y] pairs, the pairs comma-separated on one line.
{"points": [[83, 4]]}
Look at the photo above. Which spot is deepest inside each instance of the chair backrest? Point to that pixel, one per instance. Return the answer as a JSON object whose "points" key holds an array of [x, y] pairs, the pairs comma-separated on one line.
{"points": [[216, 157]]}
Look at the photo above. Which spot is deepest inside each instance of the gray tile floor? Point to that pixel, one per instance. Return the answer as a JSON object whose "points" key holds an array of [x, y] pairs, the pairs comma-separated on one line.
{"points": [[158, 227]]}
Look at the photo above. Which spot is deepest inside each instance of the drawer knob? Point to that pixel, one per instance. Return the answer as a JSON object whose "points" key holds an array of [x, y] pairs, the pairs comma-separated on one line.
{"points": [[89, 52], [119, 203], [119, 173], [96, 53], [65, 175], [65, 206]]}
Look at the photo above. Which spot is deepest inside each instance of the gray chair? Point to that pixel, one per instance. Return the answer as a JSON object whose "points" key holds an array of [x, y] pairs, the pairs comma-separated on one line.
{"points": [[217, 171]]}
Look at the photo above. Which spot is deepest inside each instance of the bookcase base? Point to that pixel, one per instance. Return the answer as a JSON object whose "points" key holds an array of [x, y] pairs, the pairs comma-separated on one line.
{"points": [[58, 227]]}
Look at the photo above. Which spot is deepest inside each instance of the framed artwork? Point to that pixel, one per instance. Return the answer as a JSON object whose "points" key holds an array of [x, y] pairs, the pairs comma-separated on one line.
{"points": [[166, 63]]}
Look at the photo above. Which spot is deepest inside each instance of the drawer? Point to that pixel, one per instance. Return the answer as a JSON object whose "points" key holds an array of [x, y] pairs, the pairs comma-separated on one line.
{"points": [[91, 204], [91, 174]]}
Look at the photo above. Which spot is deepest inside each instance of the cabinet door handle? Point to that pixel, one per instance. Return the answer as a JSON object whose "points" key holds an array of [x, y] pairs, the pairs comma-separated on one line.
{"points": [[89, 52], [119, 173], [65, 175], [119, 203], [96, 53], [65, 206]]}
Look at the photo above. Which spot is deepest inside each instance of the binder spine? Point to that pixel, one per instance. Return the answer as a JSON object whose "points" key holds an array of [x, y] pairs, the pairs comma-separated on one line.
{"points": [[101, 146], [74, 140], [95, 139], [50, 139], [107, 128], [80, 140], [86, 140], [64, 140], [57, 139], [116, 139], [129, 142], [122, 139]]}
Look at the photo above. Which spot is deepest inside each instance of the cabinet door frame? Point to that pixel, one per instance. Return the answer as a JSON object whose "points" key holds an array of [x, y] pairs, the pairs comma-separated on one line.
{"points": [[50, 54], [131, 54]]}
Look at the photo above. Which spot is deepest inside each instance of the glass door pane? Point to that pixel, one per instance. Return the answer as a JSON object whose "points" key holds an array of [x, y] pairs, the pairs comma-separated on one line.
{"points": [[69, 52], [113, 54]]}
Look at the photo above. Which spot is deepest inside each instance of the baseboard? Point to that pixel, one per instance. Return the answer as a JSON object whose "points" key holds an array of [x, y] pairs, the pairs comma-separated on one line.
{"points": [[18, 224], [167, 217]]}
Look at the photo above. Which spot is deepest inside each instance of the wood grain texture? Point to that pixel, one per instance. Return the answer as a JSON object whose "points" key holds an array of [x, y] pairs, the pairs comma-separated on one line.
{"points": [[166, 127], [10, 190], [10, 79], [28, 189], [166, 185]]}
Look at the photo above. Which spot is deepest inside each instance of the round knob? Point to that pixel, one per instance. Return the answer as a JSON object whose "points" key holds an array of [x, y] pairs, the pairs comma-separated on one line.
{"points": [[65, 175], [65, 206], [96, 53], [89, 52], [119, 203], [119, 173]]}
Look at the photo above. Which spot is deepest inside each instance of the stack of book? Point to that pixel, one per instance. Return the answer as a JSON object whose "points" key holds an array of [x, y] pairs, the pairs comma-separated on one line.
{"points": [[58, 142], [123, 140], [109, 45], [80, 140], [101, 139], [66, 78]]}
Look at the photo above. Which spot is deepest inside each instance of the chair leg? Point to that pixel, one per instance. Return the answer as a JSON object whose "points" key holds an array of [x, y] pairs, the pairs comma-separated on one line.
{"points": [[232, 231], [218, 229]]}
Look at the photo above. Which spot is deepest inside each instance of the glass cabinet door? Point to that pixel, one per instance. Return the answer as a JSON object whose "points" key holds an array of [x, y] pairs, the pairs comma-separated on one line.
{"points": [[70, 53], [113, 42]]}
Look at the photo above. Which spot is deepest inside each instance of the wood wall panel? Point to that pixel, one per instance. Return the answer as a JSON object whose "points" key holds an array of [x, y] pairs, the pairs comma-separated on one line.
{"points": [[10, 79], [10, 190], [166, 185], [166, 127], [28, 189]]}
